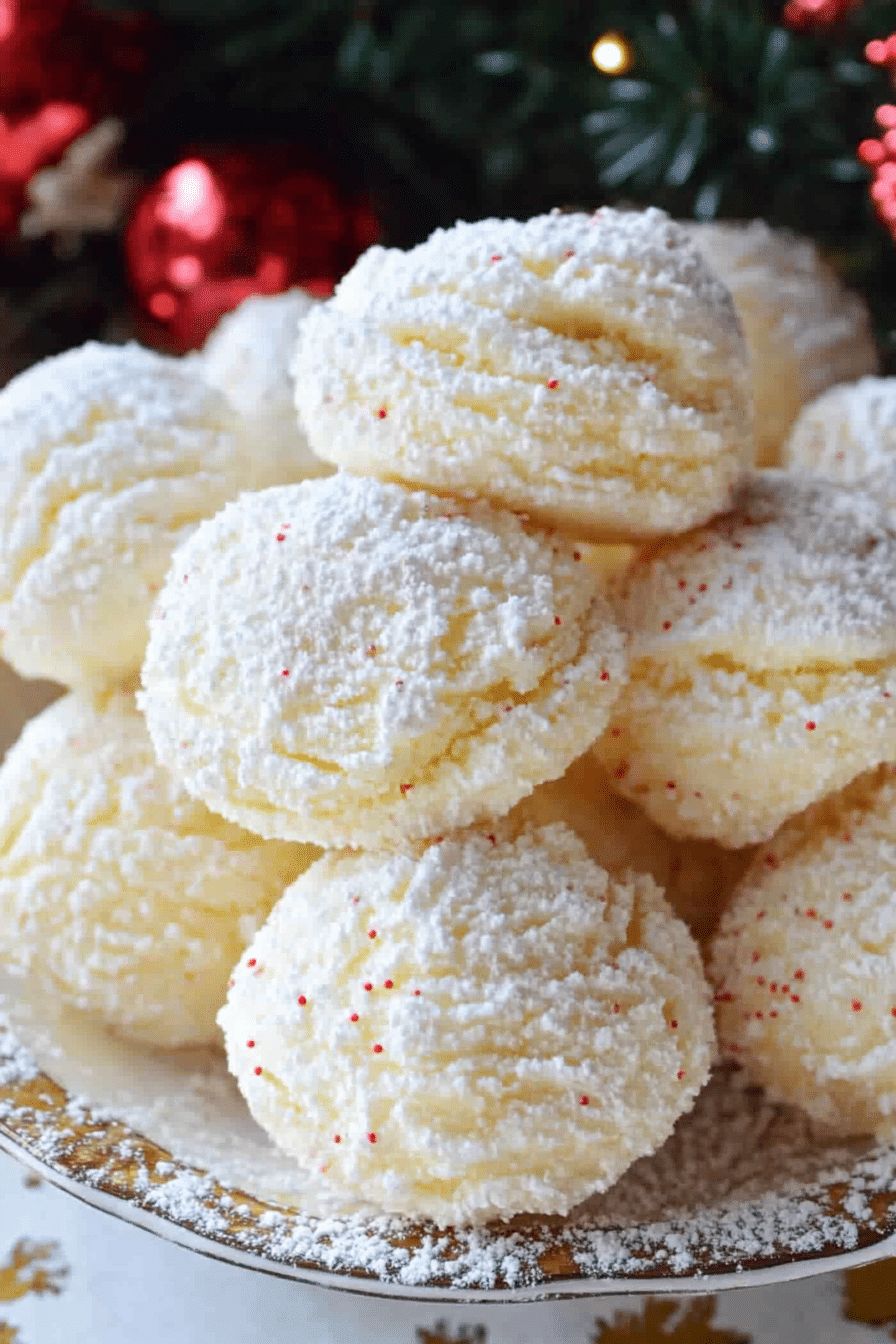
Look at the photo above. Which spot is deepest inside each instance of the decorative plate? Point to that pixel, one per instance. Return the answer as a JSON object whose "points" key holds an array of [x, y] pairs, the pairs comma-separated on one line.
{"points": [[742, 1193]]}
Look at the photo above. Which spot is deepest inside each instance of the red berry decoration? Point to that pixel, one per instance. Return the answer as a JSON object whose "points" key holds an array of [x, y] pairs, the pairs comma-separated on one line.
{"points": [[224, 224]]}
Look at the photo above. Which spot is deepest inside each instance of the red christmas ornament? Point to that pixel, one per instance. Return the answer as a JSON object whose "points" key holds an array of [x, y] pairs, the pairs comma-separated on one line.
{"points": [[221, 225], [61, 68], [800, 15], [30, 144], [60, 51]]}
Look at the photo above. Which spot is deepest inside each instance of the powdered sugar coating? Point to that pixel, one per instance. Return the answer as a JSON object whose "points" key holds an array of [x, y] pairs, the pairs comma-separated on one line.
{"points": [[848, 434], [763, 661], [345, 662], [109, 456], [496, 1027], [118, 893], [804, 330], [249, 357], [696, 875], [804, 961], [584, 369]]}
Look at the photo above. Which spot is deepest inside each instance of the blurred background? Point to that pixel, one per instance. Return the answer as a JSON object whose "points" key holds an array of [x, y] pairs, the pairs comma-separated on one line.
{"points": [[160, 164]]}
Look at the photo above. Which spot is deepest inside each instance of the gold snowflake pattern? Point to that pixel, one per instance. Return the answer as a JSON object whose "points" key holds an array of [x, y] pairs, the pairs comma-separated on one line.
{"points": [[31, 1267], [869, 1294], [661, 1319]]}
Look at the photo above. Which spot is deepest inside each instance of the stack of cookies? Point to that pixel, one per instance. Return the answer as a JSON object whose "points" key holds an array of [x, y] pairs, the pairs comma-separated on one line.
{"points": [[442, 764]]}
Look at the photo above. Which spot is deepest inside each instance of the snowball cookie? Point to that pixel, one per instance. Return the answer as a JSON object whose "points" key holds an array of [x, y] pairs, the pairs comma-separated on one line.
{"points": [[804, 962], [762, 662], [804, 330], [249, 358], [109, 456], [489, 1030], [346, 662], [119, 894], [849, 434], [697, 876], [586, 370]]}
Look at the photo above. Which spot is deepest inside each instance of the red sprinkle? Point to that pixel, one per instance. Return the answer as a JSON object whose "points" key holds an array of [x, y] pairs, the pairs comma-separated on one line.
{"points": [[285, 672], [496, 257], [583, 1101], [828, 923], [354, 1017], [670, 783], [371, 1138], [680, 1074], [281, 536], [682, 583], [857, 1005], [492, 838], [616, 1008], [799, 975], [847, 896], [377, 1049], [404, 788], [337, 1138], [605, 676], [368, 985], [258, 1071], [810, 727], [399, 682], [251, 962], [382, 413], [388, 984], [673, 1024], [370, 651], [760, 979], [553, 382], [794, 998], [371, 933], [577, 555], [557, 620], [302, 1000], [416, 993], [667, 625], [251, 1045]]}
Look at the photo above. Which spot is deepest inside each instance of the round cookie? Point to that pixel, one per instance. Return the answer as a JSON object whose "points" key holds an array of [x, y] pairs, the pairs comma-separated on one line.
{"points": [[804, 958], [346, 662], [119, 894], [109, 457], [848, 434], [492, 1028], [696, 875], [804, 330], [762, 662], [249, 357], [585, 370]]}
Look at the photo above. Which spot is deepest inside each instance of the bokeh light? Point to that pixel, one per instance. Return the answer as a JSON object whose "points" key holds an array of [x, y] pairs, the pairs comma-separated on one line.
{"points": [[611, 54]]}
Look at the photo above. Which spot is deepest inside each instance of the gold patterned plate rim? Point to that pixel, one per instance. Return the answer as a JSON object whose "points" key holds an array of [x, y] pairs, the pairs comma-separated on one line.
{"points": [[114, 1168]]}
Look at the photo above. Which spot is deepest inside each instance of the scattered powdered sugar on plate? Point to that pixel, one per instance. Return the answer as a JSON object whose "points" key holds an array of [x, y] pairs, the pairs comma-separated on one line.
{"points": [[741, 1185]]}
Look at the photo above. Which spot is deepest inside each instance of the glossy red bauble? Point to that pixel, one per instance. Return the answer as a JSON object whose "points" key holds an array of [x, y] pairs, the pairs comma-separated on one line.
{"points": [[221, 225]]}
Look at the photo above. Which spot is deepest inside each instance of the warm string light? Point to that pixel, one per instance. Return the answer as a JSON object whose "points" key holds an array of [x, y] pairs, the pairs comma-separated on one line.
{"points": [[611, 54]]}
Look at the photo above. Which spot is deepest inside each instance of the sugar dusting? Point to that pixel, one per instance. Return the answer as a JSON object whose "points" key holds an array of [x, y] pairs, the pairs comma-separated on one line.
{"points": [[740, 1180]]}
